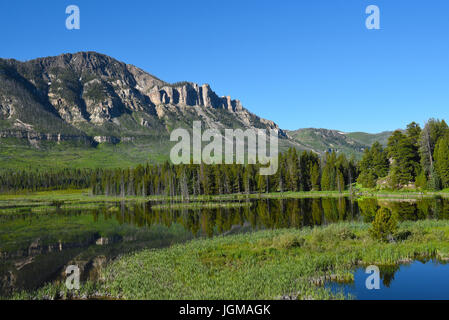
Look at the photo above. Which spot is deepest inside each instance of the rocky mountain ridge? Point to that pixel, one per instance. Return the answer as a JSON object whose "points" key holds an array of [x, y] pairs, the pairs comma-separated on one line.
{"points": [[95, 95], [90, 98]]}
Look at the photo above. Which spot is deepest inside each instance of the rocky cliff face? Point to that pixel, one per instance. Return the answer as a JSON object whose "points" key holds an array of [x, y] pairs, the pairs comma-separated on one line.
{"points": [[90, 94], [191, 94]]}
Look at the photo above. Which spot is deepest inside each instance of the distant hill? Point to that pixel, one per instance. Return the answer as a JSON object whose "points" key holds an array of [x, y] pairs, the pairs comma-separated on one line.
{"points": [[323, 140], [369, 138]]}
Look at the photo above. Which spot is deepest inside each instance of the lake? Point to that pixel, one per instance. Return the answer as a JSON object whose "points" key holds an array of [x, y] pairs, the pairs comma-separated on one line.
{"points": [[419, 280], [35, 248]]}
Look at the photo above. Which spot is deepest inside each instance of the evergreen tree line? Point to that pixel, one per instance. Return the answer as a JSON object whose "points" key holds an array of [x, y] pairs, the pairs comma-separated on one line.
{"points": [[414, 158], [305, 172], [39, 180]]}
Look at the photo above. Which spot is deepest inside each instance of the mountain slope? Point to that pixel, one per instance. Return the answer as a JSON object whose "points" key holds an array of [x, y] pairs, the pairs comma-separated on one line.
{"points": [[323, 140], [90, 94], [368, 138], [90, 110]]}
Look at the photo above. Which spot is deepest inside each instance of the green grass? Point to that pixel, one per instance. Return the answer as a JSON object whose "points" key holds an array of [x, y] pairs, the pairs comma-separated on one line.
{"points": [[197, 205], [84, 196], [262, 265], [361, 192], [49, 155]]}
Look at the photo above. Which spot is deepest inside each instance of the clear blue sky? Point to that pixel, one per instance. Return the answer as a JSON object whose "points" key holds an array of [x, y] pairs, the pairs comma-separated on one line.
{"points": [[301, 63]]}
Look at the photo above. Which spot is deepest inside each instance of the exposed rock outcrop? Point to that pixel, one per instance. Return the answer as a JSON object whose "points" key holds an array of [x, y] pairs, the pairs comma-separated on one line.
{"points": [[108, 139], [31, 135], [191, 94], [6, 111]]}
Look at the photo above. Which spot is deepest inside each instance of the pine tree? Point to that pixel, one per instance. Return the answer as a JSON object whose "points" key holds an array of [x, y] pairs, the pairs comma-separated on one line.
{"points": [[433, 130], [261, 184], [405, 166], [315, 177], [384, 225], [340, 181], [325, 179], [441, 156], [414, 133]]}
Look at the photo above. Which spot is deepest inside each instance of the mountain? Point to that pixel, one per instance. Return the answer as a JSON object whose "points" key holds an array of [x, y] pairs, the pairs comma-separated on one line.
{"points": [[369, 138], [92, 95], [322, 140], [88, 110]]}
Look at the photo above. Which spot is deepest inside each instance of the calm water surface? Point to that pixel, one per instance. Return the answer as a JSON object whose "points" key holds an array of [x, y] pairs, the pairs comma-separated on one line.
{"points": [[36, 248], [419, 280]]}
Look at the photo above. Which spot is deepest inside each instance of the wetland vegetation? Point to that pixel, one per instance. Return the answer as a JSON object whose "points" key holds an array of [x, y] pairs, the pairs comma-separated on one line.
{"points": [[249, 247], [269, 264]]}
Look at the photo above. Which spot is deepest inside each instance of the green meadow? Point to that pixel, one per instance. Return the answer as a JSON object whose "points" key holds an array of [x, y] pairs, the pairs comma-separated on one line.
{"points": [[16, 154]]}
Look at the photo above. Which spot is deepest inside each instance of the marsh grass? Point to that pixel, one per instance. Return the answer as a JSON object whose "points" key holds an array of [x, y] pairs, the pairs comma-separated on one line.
{"points": [[270, 264], [267, 264]]}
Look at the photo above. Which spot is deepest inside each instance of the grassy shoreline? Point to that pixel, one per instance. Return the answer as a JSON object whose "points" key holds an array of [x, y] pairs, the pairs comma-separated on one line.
{"points": [[83, 195], [269, 264], [52, 201]]}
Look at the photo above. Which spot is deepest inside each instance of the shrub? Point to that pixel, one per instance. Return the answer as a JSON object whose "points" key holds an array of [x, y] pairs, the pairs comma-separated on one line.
{"points": [[346, 234], [403, 235], [288, 241], [384, 225]]}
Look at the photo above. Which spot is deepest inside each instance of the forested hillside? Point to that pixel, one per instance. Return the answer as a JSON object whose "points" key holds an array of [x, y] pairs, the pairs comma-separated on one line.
{"points": [[413, 159], [416, 158]]}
